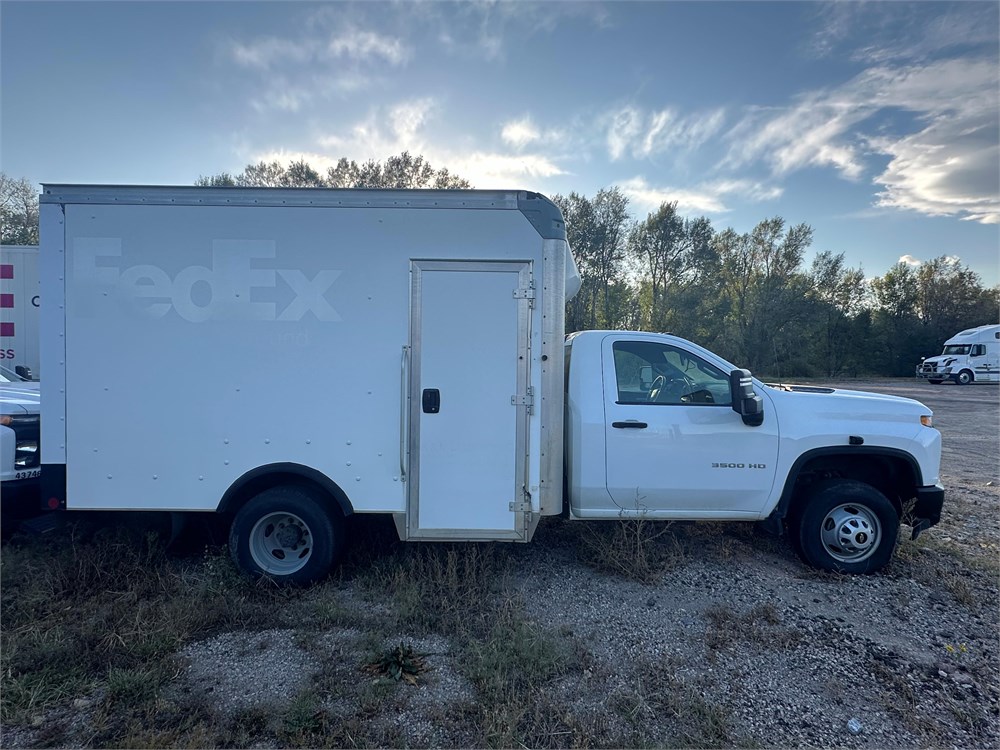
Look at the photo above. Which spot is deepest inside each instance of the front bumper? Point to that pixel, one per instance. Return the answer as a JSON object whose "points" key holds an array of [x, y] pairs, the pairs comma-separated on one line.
{"points": [[927, 508], [944, 374]]}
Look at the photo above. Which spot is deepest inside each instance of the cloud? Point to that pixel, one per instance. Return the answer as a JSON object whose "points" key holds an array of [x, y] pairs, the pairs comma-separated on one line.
{"points": [[362, 45], [388, 131], [494, 170], [353, 43], [706, 197], [901, 31], [642, 134], [318, 161], [951, 261], [946, 164], [270, 51], [385, 132], [327, 58], [519, 133], [485, 29]]}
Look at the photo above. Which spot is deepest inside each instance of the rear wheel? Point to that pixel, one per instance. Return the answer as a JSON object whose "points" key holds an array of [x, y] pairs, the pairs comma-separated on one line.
{"points": [[964, 377], [847, 526], [934, 382], [287, 533]]}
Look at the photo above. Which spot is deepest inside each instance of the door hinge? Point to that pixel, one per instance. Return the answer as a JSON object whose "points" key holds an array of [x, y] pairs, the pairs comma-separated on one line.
{"points": [[527, 399], [527, 293], [520, 507]]}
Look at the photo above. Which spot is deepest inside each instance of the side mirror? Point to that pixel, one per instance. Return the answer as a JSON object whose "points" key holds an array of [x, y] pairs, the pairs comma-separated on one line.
{"points": [[746, 402], [23, 371]]}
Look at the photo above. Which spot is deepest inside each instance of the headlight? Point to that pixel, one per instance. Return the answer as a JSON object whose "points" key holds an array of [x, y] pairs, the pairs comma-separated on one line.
{"points": [[927, 420]]}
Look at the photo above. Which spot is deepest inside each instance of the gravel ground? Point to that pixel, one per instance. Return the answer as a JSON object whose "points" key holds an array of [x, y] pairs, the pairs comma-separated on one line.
{"points": [[738, 629]]}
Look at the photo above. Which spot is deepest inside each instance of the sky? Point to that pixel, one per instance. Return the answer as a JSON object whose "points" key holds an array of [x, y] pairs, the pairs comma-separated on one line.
{"points": [[876, 123]]}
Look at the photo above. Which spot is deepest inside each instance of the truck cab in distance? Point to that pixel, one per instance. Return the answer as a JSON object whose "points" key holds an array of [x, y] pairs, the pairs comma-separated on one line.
{"points": [[970, 356]]}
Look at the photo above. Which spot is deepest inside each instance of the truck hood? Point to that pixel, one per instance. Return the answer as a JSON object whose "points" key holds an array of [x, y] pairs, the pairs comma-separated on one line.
{"points": [[20, 398], [863, 405]]}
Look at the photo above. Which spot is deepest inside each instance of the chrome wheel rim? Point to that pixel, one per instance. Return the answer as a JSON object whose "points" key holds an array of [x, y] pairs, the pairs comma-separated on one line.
{"points": [[280, 543], [850, 533]]}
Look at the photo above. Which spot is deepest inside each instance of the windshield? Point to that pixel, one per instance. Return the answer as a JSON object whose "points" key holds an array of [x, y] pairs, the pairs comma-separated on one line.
{"points": [[956, 349], [9, 376]]}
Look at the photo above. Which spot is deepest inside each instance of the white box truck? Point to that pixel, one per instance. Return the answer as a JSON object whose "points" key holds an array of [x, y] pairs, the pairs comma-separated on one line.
{"points": [[970, 356], [19, 306], [289, 357]]}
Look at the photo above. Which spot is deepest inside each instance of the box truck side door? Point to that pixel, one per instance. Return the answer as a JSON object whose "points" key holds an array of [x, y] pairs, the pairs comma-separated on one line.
{"points": [[674, 444], [468, 400]]}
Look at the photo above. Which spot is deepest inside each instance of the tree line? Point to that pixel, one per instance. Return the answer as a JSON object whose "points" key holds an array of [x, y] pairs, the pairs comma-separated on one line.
{"points": [[749, 296], [752, 298]]}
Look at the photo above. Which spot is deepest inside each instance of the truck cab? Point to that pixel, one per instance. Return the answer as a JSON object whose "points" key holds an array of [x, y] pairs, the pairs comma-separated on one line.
{"points": [[658, 427], [970, 356]]}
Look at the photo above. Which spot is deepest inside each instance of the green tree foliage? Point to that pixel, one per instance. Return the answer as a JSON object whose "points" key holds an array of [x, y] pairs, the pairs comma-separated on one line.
{"points": [[749, 296], [597, 230], [763, 293], [838, 294], [399, 172], [18, 211], [917, 309]]}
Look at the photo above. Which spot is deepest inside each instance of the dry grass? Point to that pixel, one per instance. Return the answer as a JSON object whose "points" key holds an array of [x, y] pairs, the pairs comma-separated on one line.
{"points": [[637, 549]]}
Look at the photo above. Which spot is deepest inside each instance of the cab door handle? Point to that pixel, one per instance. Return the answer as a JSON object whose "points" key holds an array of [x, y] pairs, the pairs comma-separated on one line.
{"points": [[431, 399], [630, 425]]}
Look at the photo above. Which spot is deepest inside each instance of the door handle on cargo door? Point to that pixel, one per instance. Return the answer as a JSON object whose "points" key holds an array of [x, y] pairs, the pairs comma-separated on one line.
{"points": [[630, 424], [431, 400]]}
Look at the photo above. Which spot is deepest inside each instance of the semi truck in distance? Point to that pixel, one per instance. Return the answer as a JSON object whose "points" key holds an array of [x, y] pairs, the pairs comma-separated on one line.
{"points": [[290, 357], [970, 356]]}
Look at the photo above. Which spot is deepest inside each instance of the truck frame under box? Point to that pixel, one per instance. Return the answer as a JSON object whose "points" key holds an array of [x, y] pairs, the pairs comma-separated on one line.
{"points": [[403, 349]]}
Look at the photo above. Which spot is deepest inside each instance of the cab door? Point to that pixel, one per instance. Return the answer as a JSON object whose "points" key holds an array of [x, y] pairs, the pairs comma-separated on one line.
{"points": [[675, 447]]}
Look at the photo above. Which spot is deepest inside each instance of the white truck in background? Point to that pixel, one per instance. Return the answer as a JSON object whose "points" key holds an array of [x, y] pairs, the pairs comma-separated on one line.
{"points": [[20, 454], [970, 356], [19, 306], [403, 353]]}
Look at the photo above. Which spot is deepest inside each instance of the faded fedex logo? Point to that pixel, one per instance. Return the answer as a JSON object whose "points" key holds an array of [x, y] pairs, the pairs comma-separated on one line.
{"points": [[223, 291]]}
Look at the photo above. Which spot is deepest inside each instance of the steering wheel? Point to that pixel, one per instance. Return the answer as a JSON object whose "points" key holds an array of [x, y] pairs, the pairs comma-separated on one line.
{"points": [[654, 389], [672, 390]]}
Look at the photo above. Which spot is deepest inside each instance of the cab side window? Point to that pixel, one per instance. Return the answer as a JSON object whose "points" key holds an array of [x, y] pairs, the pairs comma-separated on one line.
{"points": [[978, 350], [652, 373]]}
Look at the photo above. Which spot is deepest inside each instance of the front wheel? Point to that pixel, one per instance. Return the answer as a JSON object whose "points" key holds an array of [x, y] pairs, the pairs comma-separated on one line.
{"points": [[287, 533], [964, 377], [847, 526]]}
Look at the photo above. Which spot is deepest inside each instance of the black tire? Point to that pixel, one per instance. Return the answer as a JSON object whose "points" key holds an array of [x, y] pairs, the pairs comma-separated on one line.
{"points": [[964, 377], [846, 526], [290, 533], [934, 382]]}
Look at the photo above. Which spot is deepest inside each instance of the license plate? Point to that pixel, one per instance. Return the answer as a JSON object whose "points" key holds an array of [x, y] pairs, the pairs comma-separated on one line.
{"points": [[28, 474]]}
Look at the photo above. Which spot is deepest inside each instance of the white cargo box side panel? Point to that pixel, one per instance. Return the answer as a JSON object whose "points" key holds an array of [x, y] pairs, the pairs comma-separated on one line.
{"points": [[204, 342]]}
